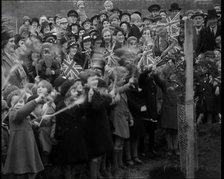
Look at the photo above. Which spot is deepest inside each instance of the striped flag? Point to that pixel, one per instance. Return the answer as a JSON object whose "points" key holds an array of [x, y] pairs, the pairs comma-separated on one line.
{"points": [[71, 69], [174, 28]]}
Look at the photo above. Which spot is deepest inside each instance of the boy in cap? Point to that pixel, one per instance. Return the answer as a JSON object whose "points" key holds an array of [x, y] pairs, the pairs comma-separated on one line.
{"points": [[154, 9], [72, 17]]}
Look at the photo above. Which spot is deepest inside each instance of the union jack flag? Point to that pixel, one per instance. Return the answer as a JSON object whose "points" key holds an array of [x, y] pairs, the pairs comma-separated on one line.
{"points": [[71, 69], [174, 27]]}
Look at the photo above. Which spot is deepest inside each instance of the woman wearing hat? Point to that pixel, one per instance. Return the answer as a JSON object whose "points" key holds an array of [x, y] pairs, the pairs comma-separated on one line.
{"points": [[35, 27], [72, 65], [26, 23], [126, 28], [120, 38], [9, 59], [87, 25]]}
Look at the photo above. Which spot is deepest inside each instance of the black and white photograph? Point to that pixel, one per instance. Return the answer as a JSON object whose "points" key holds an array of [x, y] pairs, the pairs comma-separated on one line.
{"points": [[111, 89]]}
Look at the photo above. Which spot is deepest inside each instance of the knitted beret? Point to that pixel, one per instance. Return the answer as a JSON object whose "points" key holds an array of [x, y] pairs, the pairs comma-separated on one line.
{"points": [[66, 86]]}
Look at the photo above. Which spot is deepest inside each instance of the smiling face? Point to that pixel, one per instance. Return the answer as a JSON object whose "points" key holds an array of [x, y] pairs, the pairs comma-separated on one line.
{"points": [[107, 36], [73, 50], [87, 25], [120, 37], [87, 45]]}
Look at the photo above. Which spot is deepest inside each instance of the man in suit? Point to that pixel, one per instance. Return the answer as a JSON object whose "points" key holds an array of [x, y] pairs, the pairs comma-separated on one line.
{"points": [[207, 36], [198, 20]]}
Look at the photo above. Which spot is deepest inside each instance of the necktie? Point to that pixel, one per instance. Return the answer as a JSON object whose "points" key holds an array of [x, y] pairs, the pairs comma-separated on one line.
{"points": [[213, 31]]}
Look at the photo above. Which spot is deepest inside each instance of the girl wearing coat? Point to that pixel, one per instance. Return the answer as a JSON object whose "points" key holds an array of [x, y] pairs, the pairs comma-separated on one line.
{"points": [[23, 158], [71, 149], [97, 126], [169, 111]]}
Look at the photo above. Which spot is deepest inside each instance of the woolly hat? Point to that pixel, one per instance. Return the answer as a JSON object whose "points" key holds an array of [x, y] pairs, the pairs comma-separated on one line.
{"points": [[4, 105], [59, 81], [66, 86], [8, 90], [26, 18], [113, 16]]}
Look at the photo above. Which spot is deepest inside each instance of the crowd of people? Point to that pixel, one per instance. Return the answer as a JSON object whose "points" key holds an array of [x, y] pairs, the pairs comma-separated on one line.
{"points": [[84, 94]]}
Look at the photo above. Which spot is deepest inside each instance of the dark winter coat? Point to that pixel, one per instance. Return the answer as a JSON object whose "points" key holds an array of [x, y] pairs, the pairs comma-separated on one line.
{"points": [[206, 40], [135, 102], [97, 126], [149, 90], [71, 146], [168, 118]]}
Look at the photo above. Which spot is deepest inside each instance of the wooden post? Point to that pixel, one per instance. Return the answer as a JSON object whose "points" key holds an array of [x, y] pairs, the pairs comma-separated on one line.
{"points": [[189, 99]]}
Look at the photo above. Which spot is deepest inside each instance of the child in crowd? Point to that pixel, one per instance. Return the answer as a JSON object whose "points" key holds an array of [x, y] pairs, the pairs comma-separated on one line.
{"points": [[23, 158], [46, 126]]}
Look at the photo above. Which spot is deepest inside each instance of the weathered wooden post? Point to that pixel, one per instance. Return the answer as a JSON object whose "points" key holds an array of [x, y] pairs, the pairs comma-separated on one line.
{"points": [[189, 99]]}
